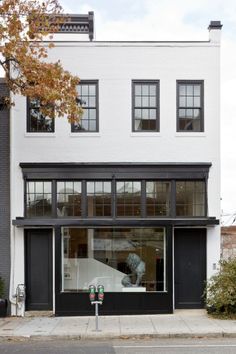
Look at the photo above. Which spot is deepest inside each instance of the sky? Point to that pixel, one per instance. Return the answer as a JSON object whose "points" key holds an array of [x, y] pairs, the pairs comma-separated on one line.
{"points": [[179, 20]]}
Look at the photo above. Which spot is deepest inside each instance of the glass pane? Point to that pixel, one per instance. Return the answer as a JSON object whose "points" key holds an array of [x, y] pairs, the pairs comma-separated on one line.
{"points": [[138, 101], [181, 112], [137, 113], [145, 90], [90, 187], [120, 259], [137, 125], [145, 101], [197, 90], [120, 187], [189, 101], [189, 90], [92, 114], [145, 114], [152, 114], [138, 90], [77, 187], [92, 125], [197, 102], [47, 187], [182, 90], [152, 101], [85, 90], [30, 187], [107, 187], [84, 125], [92, 101], [98, 187], [152, 90], [39, 187], [182, 101], [92, 90]]}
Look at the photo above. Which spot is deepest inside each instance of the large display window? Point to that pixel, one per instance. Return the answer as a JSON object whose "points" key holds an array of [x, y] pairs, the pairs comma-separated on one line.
{"points": [[121, 259]]}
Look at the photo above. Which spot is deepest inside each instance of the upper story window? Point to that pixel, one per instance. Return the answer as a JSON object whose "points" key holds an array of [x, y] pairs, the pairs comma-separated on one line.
{"points": [[190, 109], [88, 99], [36, 121], [145, 106], [38, 199], [69, 198]]}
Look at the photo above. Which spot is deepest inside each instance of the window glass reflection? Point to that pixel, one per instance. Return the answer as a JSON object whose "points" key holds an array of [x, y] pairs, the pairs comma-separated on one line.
{"points": [[123, 260]]}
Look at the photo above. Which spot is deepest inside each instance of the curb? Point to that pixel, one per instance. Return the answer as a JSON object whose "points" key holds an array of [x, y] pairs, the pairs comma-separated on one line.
{"points": [[103, 337]]}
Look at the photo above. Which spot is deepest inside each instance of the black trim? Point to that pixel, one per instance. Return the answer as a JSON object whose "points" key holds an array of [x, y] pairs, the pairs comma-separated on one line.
{"points": [[96, 83], [190, 82], [23, 222], [215, 25], [157, 107], [127, 170], [77, 303], [28, 122]]}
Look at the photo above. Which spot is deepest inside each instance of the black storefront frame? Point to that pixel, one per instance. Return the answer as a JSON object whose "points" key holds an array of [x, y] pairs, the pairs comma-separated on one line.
{"points": [[115, 303], [77, 303]]}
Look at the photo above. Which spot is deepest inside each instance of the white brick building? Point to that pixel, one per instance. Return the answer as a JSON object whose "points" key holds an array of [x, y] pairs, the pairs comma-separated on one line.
{"points": [[138, 178]]}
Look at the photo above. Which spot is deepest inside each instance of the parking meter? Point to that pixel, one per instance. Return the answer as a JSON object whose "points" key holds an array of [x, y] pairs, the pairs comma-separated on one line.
{"points": [[100, 293], [92, 293]]}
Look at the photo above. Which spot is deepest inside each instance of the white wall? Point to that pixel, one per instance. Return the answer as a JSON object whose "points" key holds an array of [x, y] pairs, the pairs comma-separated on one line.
{"points": [[115, 65]]}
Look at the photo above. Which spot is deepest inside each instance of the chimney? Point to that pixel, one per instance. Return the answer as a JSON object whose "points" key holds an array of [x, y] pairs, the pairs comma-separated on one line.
{"points": [[215, 31]]}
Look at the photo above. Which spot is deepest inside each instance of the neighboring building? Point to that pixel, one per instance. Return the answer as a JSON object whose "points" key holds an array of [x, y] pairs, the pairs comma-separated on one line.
{"points": [[228, 242], [130, 197], [5, 222]]}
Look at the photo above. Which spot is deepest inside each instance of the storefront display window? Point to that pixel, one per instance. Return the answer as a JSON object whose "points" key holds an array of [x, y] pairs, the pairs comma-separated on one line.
{"points": [[121, 259]]}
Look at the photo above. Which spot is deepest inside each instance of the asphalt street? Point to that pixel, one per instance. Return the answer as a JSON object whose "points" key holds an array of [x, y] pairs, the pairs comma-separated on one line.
{"points": [[165, 346]]}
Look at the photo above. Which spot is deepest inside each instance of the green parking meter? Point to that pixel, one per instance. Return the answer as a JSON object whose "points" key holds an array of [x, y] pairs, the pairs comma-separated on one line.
{"points": [[100, 293], [92, 293]]}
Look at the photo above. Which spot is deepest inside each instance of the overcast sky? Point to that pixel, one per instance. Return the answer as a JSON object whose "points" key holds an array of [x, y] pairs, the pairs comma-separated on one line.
{"points": [[178, 20]]}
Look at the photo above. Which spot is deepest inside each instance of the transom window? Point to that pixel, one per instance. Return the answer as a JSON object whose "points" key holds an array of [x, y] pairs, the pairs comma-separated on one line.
{"points": [[116, 198], [145, 106], [158, 198], [128, 198], [190, 198], [36, 121], [38, 199], [190, 106], [88, 100], [69, 198], [99, 201]]}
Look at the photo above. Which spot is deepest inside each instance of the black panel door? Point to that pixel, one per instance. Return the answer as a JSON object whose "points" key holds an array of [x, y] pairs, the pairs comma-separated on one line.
{"points": [[190, 267], [38, 268]]}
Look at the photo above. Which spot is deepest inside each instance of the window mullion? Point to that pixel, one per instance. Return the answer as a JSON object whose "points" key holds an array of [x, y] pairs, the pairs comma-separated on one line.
{"points": [[54, 198]]}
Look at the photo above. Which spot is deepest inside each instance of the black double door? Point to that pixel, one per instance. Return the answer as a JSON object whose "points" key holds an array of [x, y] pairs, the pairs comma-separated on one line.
{"points": [[38, 269], [189, 267]]}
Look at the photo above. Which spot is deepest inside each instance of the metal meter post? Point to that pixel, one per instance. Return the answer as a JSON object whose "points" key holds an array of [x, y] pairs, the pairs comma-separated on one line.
{"points": [[92, 297]]}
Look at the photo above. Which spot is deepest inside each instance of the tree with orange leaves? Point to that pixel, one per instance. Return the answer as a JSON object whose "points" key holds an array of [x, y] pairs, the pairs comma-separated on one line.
{"points": [[23, 26]]}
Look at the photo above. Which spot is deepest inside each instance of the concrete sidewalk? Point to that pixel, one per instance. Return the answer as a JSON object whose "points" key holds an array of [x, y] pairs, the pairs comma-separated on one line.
{"points": [[184, 323]]}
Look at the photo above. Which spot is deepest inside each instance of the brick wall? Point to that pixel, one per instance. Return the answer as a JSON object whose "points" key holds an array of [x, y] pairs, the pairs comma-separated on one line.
{"points": [[4, 191], [228, 242]]}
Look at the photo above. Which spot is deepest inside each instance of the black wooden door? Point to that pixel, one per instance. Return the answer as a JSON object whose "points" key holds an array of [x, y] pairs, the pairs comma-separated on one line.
{"points": [[38, 266], [189, 267]]}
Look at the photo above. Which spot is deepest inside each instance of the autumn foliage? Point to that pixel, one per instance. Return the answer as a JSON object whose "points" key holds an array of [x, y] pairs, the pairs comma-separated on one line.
{"points": [[23, 26]]}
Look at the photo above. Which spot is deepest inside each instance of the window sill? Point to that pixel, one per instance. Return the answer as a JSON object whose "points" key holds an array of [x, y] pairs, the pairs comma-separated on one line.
{"points": [[40, 135], [85, 135], [145, 134], [190, 135]]}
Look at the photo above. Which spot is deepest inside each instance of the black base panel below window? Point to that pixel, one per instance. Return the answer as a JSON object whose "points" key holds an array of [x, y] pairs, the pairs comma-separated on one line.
{"points": [[72, 304]]}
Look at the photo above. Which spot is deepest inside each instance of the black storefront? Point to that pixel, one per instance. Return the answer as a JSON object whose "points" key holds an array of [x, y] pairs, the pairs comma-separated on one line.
{"points": [[114, 224]]}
